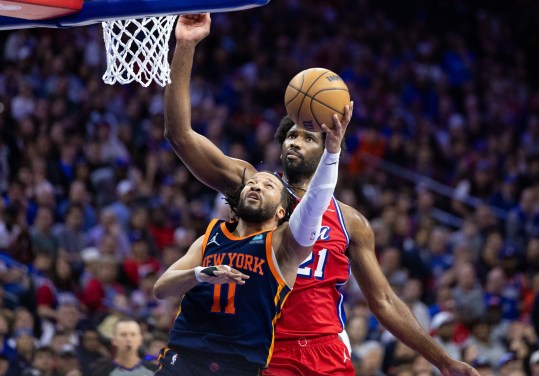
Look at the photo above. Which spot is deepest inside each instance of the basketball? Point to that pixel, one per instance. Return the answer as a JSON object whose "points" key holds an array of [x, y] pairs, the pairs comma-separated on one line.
{"points": [[313, 96]]}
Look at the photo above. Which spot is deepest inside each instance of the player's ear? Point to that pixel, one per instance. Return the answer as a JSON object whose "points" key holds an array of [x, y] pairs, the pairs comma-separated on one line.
{"points": [[281, 212]]}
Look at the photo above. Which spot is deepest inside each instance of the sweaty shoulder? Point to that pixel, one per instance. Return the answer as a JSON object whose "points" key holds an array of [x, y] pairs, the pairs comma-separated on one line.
{"points": [[356, 224]]}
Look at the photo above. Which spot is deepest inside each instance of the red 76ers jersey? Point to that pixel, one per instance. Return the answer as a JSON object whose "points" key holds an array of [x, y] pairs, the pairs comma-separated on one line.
{"points": [[315, 305]]}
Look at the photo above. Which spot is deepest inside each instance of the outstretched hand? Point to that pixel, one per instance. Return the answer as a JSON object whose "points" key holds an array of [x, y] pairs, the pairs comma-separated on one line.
{"points": [[457, 368], [335, 135], [220, 274], [193, 27]]}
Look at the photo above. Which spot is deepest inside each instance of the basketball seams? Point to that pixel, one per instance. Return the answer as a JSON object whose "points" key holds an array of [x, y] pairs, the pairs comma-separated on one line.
{"points": [[305, 94], [313, 99], [320, 98], [295, 96], [297, 89]]}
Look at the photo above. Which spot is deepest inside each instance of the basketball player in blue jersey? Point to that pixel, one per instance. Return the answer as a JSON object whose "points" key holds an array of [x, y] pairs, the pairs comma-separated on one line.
{"points": [[235, 278]]}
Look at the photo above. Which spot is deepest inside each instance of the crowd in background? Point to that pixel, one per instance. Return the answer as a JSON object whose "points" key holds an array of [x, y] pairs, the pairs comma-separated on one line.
{"points": [[442, 158]]}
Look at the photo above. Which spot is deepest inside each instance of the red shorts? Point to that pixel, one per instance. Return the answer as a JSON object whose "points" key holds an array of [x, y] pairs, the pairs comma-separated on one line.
{"points": [[318, 356]]}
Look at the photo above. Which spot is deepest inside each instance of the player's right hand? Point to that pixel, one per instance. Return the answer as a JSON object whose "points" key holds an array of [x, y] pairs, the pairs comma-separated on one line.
{"points": [[220, 274], [193, 27], [335, 135]]}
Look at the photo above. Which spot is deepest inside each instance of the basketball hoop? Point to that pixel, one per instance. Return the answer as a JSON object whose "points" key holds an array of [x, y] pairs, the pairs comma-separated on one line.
{"points": [[137, 50]]}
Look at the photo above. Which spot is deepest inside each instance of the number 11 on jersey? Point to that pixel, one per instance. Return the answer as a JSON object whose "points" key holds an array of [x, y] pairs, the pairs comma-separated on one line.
{"points": [[305, 269]]}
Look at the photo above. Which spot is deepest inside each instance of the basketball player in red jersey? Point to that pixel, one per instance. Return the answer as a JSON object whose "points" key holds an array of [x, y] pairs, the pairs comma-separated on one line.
{"points": [[307, 340]]}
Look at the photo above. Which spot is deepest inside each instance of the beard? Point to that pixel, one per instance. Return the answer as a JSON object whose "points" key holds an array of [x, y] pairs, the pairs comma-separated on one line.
{"points": [[298, 170], [258, 214]]}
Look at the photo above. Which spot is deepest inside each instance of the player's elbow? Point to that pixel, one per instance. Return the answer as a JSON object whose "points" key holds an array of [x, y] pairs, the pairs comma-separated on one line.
{"points": [[381, 303], [158, 290]]}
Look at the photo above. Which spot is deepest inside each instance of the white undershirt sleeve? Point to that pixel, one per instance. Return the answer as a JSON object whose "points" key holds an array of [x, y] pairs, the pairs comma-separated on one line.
{"points": [[306, 220]]}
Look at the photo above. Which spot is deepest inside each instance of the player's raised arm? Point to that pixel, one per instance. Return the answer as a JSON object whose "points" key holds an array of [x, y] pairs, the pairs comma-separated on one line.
{"points": [[205, 160], [306, 220]]}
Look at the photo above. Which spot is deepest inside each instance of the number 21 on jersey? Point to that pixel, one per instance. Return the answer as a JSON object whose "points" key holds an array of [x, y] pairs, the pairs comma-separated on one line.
{"points": [[306, 268]]}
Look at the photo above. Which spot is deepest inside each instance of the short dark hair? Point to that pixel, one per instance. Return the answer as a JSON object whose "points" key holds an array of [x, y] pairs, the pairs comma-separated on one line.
{"points": [[288, 200], [286, 124]]}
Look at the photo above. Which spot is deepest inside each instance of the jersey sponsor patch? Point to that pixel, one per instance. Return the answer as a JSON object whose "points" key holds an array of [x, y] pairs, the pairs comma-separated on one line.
{"points": [[259, 239]]}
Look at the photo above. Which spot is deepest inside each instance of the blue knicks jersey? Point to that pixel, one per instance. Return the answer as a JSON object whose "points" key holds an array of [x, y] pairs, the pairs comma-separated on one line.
{"points": [[232, 319]]}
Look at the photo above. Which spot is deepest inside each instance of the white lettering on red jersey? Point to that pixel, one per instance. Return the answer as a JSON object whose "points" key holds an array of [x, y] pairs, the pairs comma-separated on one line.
{"points": [[315, 305]]}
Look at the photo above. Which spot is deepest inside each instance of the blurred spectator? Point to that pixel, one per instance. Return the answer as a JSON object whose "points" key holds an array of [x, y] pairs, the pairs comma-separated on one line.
{"points": [[43, 363], [41, 233], [411, 295], [125, 193], [523, 220], [481, 338], [79, 196], [90, 350], [468, 293], [446, 114], [534, 363], [25, 345], [126, 339], [71, 237], [102, 287], [443, 329], [109, 225], [140, 263], [482, 364]]}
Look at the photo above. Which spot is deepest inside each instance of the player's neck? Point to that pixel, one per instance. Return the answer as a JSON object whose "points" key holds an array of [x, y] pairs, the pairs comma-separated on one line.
{"points": [[245, 229], [299, 188]]}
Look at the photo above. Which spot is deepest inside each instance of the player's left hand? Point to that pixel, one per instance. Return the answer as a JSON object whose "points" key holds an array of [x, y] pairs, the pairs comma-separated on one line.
{"points": [[457, 368], [220, 274], [335, 135]]}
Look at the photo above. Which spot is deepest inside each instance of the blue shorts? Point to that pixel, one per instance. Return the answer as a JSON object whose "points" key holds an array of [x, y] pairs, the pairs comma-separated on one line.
{"points": [[184, 362]]}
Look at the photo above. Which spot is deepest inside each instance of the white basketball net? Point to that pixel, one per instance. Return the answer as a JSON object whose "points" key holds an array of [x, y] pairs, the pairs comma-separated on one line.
{"points": [[137, 50]]}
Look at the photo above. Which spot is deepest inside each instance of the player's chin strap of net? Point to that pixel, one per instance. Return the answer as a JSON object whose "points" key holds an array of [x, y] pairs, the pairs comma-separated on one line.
{"points": [[137, 50]]}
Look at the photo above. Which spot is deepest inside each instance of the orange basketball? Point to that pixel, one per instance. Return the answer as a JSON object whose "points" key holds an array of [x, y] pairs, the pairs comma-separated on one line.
{"points": [[313, 96]]}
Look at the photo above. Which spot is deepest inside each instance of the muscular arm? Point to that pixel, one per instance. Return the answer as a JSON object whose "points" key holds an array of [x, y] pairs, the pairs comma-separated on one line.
{"points": [[392, 313], [180, 276], [205, 160]]}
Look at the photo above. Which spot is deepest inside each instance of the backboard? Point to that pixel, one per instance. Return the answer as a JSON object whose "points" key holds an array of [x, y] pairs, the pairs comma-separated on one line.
{"points": [[95, 11]]}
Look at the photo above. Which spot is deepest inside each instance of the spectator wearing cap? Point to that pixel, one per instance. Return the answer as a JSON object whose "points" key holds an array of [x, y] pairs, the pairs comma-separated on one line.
{"points": [[534, 363], [442, 328]]}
